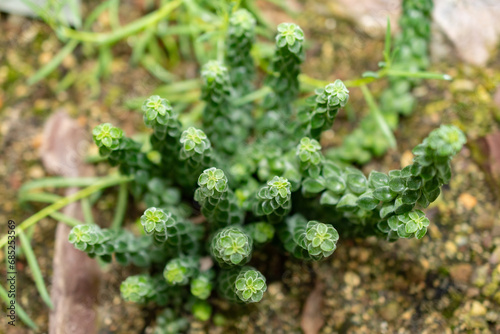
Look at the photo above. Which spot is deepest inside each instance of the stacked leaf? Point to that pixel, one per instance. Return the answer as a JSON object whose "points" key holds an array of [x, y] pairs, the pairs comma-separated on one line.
{"points": [[285, 68], [240, 39]]}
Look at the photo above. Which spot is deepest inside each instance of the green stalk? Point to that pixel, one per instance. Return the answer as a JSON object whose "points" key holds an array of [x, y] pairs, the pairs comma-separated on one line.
{"points": [[114, 17], [87, 211], [19, 310], [315, 83], [378, 116], [104, 183], [121, 207], [39, 197], [53, 63], [59, 182], [70, 221], [35, 269], [123, 32], [418, 75], [178, 87], [258, 94], [387, 50]]}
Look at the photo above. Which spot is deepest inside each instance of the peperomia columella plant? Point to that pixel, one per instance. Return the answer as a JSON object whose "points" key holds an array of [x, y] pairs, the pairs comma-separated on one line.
{"points": [[255, 179]]}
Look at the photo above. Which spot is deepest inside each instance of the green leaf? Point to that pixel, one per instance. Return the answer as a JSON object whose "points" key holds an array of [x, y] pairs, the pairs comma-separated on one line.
{"points": [[383, 226], [367, 201], [313, 186], [397, 184], [384, 194], [329, 198], [335, 184], [377, 179], [411, 227], [410, 196], [421, 233], [347, 202], [393, 223], [356, 183], [386, 209]]}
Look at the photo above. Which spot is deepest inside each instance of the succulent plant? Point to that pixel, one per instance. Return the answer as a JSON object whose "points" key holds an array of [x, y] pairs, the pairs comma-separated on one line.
{"points": [[249, 179]]}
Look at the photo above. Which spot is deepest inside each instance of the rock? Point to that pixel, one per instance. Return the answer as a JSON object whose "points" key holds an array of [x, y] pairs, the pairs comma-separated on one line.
{"points": [[390, 311], [352, 279], [495, 256], [75, 280], [370, 15], [461, 273], [471, 25], [312, 318], [488, 155], [467, 200], [477, 309], [406, 158], [450, 249]]}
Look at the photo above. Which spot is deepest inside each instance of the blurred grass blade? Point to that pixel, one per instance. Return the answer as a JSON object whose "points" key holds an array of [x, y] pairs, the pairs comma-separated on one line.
{"points": [[379, 118], [87, 211], [114, 17], [387, 50], [121, 207], [105, 59], [38, 197], [75, 10], [102, 184], [58, 182], [109, 38], [53, 63], [35, 269], [141, 41], [255, 95], [92, 17], [68, 220], [157, 70], [19, 310], [418, 75]]}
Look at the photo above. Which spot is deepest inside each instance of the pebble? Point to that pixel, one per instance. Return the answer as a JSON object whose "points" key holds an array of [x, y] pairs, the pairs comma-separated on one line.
{"points": [[451, 249], [461, 272], [390, 311], [351, 279], [477, 309], [467, 200]]}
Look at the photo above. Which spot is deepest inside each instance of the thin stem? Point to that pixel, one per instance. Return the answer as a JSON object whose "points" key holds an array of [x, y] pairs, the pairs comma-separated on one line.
{"points": [[387, 49], [87, 211], [104, 183], [121, 207], [419, 75], [39, 197], [53, 63], [385, 72], [59, 182], [258, 94], [68, 220], [123, 32], [19, 310], [179, 87], [35, 269], [378, 116]]}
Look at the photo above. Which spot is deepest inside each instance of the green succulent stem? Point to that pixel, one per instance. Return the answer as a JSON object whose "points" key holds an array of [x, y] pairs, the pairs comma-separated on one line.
{"points": [[242, 285], [217, 200], [231, 246]]}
